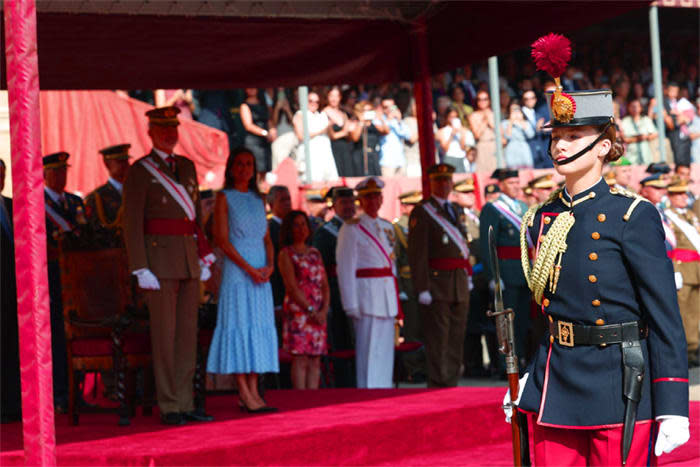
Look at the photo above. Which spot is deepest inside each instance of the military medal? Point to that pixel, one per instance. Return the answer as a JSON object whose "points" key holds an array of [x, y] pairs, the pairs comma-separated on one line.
{"points": [[445, 240]]}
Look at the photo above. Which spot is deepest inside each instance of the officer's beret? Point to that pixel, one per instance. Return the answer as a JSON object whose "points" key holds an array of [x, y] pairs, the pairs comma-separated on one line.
{"points": [[465, 186], [441, 171], [492, 188], [369, 185], [655, 180], [56, 160], [543, 181], [339, 192], [163, 116], [677, 185], [118, 151], [658, 167], [411, 197], [502, 174]]}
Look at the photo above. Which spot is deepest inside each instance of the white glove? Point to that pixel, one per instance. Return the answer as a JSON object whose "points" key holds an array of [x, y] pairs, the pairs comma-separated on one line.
{"points": [[679, 280], [205, 274], [470, 283], [402, 296], [673, 432], [146, 279], [424, 298], [507, 404]]}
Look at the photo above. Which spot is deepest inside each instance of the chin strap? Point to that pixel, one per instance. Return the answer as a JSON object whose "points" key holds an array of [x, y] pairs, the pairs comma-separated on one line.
{"points": [[581, 152]]}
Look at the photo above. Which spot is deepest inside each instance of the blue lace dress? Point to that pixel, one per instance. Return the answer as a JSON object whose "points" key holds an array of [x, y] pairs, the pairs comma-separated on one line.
{"points": [[245, 339]]}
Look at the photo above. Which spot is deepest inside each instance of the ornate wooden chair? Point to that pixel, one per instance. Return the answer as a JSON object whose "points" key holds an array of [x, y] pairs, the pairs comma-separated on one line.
{"points": [[98, 310]]}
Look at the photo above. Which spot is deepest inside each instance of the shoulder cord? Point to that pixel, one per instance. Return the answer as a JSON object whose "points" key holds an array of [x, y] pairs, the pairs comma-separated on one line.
{"points": [[103, 218], [552, 248]]}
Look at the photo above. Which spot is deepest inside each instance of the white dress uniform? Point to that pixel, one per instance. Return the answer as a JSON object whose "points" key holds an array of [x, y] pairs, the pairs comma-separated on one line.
{"points": [[364, 249]]}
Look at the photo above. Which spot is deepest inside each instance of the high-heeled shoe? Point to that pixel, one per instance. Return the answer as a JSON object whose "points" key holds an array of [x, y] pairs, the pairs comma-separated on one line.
{"points": [[264, 409]]}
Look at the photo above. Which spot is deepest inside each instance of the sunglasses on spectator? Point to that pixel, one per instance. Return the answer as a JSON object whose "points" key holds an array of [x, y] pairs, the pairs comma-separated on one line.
{"points": [[313, 101], [482, 98]]}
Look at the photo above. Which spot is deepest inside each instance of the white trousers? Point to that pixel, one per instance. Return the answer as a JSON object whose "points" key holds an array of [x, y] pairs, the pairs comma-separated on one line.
{"points": [[374, 347]]}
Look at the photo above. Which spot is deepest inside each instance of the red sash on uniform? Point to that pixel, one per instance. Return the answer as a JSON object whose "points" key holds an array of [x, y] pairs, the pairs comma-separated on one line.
{"points": [[511, 252], [450, 264], [374, 272], [183, 227], [683, 255]]}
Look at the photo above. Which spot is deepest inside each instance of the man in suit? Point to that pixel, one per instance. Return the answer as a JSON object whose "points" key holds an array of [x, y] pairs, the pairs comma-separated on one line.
{"points": [[505, 215], [11, 408], [686, 263], [368, 286], [64, 213], [325, 240], [280, 204], [103, 205], [412, 329], [440, 268], [168, 255]]}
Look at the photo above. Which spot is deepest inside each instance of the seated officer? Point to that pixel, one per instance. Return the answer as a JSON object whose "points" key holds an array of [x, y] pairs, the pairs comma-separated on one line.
{"points": [[103, 205], [64, 212]]}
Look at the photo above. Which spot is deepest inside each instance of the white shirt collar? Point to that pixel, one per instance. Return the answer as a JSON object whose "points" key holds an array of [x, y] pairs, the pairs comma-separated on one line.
{"points": [[276, 219], [163, 155], [440, 201], [55, 197], [117, 185]]}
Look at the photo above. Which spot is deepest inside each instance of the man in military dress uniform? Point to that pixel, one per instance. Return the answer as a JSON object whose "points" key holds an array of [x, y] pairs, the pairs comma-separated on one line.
{"points": [[325, 240], [368, 287], [440, 268], [64, 213], [103, 205], [686, 263], [542, 187], [654, 189], [505, 215], [414, 362], [169, 255]]}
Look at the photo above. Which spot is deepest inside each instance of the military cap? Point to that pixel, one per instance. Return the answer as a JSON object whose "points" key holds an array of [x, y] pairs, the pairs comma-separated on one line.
{"points": [[411, 197], [369, 185], [621, 162], [590, 107], [55, 160], [658, 167], [118, 151], [610, 178], [502, 174], [163, 116], [336, 192], [440, 171], [677, 185], [527, 190], [655, 180], [543, 181], [465, 186], [492, 188], [315, 196]]}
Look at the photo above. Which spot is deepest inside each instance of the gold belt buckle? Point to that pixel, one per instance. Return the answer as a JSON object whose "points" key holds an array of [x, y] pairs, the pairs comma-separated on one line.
{"points": [[566, 333]]}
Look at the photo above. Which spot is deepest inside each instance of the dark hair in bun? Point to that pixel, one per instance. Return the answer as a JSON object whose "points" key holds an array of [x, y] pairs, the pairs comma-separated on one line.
{"points": [[616, 149]]}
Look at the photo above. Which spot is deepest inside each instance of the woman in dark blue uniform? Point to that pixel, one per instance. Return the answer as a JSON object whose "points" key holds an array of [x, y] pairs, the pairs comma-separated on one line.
{"points": [[609, 383]]}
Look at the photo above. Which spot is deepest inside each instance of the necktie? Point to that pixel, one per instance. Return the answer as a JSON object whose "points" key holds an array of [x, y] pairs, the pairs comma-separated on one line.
{"points": [[171, 163], [448, 209]]}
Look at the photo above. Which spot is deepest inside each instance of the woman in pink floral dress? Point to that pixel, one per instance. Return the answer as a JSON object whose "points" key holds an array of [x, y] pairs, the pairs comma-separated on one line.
{"points": [[306, 301]]}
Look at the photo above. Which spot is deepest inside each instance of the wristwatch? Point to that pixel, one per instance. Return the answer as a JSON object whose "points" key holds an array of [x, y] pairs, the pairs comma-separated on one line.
{"points": [[310, 309]]}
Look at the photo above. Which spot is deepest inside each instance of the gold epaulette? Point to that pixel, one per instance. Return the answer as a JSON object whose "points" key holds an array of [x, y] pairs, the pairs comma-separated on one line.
{"points": [[629, 194], [353, 221]]}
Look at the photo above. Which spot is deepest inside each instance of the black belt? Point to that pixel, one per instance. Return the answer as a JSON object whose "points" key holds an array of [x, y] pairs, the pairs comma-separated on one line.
{"points": [[570, 335]]}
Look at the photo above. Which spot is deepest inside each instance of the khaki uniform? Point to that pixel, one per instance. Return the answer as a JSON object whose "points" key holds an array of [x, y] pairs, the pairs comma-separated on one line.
{"points": [[689, 293], [174, 260], [445, 319]]}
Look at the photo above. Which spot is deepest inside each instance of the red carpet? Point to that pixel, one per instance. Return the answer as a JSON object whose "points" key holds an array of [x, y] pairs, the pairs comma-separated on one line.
{"points": [[460, 426]]}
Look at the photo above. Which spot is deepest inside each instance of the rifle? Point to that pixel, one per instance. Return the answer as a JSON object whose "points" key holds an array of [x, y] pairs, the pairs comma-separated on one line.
{"points": [[506, 339]]}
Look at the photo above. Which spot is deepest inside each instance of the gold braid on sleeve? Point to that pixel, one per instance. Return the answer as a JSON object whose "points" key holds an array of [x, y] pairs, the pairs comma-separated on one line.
{"points": [[550, 251]]}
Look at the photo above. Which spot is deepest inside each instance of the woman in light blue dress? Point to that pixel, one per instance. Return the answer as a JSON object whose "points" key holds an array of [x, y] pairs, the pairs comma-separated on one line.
{"points": [[516, 131], [245, 339]]}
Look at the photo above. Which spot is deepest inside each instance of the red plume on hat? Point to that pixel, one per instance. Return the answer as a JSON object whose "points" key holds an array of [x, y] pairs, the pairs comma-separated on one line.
{"points": [[552, 53]]}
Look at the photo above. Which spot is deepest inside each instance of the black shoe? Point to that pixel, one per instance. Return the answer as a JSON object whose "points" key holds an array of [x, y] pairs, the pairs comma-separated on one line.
{"points": [[197, 416], [263, 409], [172, 418]]}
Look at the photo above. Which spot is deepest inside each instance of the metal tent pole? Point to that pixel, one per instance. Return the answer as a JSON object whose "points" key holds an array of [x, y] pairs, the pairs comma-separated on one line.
{"points": [[656, 73], [304, 106], [495, 91]]}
